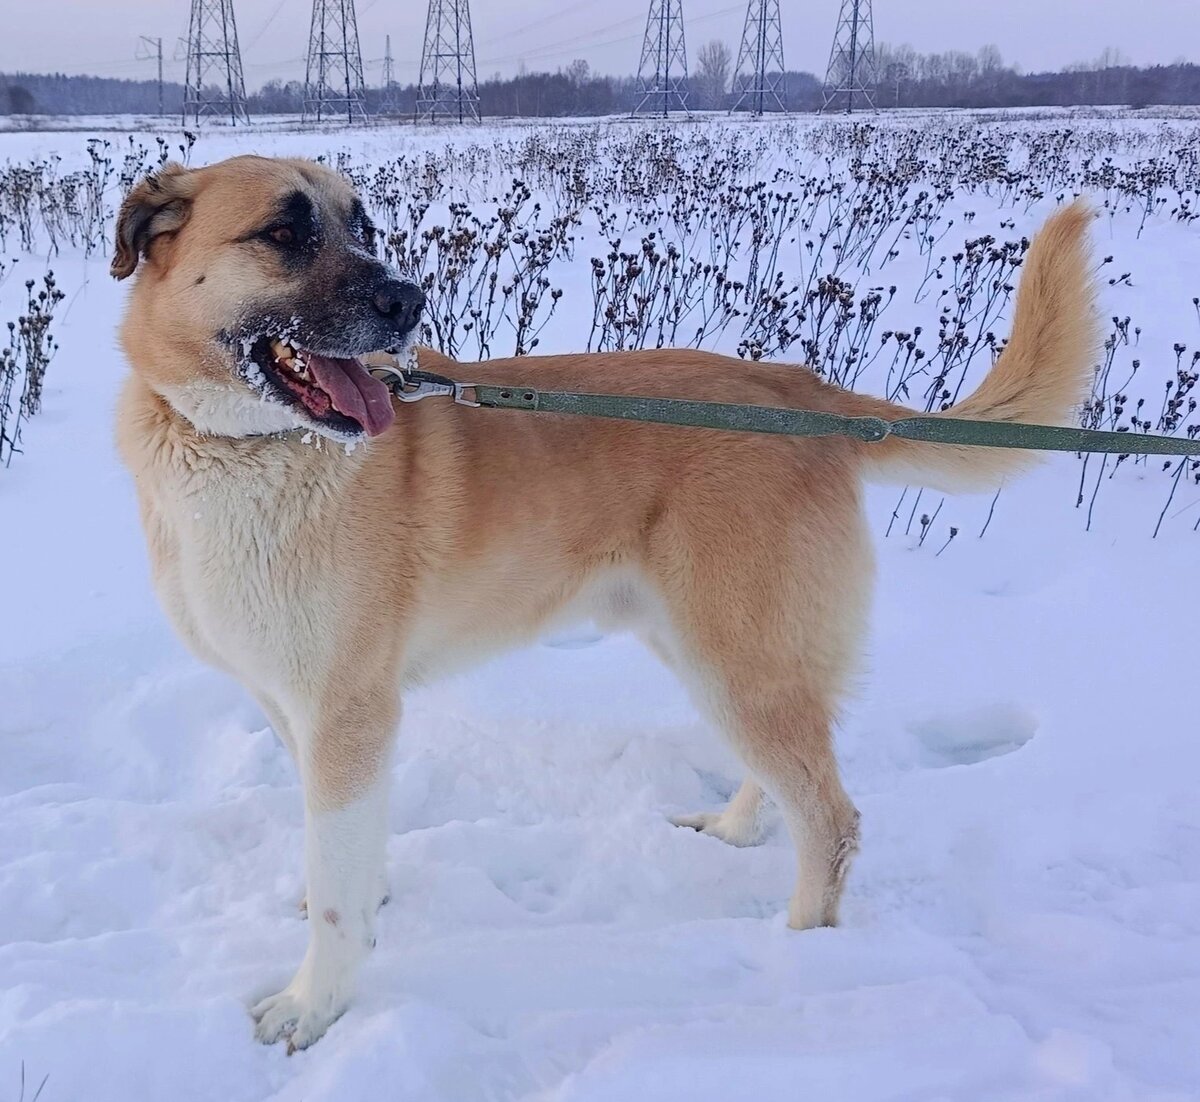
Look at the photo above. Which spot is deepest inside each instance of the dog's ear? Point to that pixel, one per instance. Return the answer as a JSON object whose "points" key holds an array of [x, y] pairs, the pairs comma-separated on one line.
{"points": [[159, 204]]}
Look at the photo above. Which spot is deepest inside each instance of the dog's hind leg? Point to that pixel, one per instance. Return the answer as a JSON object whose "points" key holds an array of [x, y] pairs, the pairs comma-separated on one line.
{"points": [[780, 725], [345, 767], [778, 716], [767, 630], [787, 741], [740, 824]]}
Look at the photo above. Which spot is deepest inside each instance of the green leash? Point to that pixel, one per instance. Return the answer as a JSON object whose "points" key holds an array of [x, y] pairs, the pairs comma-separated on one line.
{"points": [[411, 386]]}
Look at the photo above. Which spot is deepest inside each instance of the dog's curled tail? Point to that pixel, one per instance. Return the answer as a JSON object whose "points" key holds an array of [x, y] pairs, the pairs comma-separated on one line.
{"points": [[1041, 377]]}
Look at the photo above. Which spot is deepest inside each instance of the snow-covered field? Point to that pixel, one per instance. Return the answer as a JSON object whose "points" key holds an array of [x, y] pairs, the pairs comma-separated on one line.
{"points": [[1024, 919]]}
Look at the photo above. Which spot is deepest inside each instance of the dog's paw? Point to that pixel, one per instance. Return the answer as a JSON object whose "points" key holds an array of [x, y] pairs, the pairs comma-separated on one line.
{"points": [[293, 1017], [734, 831]]}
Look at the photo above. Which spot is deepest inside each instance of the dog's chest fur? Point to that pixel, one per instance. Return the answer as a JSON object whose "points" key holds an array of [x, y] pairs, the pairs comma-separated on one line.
{"points": [[240, 559]]}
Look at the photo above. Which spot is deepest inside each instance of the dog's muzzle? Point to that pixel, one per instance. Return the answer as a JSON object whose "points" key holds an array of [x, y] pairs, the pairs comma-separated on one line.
{"points": [[400, 303]]}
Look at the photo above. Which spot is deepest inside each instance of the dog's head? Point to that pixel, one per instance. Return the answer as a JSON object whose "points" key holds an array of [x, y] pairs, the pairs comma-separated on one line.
{"points": [[258, 293]]}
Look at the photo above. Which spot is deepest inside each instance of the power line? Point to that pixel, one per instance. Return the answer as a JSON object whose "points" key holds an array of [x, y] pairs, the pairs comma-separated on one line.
{"points": [[263, 29], [568, 10], [281, 63], [581, 41], [585, 39], [547, 53]]}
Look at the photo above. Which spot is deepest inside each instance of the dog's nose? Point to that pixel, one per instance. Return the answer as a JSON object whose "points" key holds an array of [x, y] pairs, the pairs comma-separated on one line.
{"points": [[400, 303]]}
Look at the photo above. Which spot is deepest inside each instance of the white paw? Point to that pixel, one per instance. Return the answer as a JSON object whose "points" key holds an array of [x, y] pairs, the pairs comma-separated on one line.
{"points": [[737, 832], [294, 1017]]}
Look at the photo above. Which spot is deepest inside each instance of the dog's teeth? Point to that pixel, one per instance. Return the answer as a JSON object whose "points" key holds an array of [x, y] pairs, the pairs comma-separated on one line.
{"points": [[287, 356]]}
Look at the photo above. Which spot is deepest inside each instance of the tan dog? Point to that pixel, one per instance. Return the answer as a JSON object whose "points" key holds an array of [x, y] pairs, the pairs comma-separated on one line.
{"points": [[329, 572]]}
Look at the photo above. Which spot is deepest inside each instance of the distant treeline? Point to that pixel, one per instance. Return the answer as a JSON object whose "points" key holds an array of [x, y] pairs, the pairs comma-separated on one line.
{"points": [[956, 79], [905, 78], [59, 94]]}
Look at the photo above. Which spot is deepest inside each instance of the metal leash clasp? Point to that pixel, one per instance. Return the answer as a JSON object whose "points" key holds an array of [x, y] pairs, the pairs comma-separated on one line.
{"points": [[412, 386], [408, 389]]}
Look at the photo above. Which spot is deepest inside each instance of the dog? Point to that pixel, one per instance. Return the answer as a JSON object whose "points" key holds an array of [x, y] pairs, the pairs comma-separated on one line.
{"points": [[330, 550]]}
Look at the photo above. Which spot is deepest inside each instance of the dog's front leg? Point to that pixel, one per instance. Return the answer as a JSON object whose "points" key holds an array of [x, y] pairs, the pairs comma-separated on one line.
{"points": [[345, 767]]}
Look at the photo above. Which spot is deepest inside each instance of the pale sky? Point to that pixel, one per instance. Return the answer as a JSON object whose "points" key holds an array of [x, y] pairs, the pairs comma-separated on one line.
{"points": [[100, 36]]}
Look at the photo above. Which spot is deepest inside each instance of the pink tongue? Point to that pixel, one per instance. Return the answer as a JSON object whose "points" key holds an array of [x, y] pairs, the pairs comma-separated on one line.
{"points": [[354, 391]]}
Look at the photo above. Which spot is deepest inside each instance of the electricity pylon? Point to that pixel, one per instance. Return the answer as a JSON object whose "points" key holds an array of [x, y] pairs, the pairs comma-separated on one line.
{"points": [[662, 71], [447, 87], [850, 78], [389, 103], [333, 77], [758, 80], [214, 81], [149, 49]]}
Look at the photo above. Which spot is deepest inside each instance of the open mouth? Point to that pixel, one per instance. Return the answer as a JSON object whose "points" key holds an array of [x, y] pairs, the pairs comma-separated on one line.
{"points": [[337, 392]]}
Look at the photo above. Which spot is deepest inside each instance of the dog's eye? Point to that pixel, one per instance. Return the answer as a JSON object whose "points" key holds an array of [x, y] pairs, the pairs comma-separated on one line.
{"points": [[282, 235], [367, 232]]}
